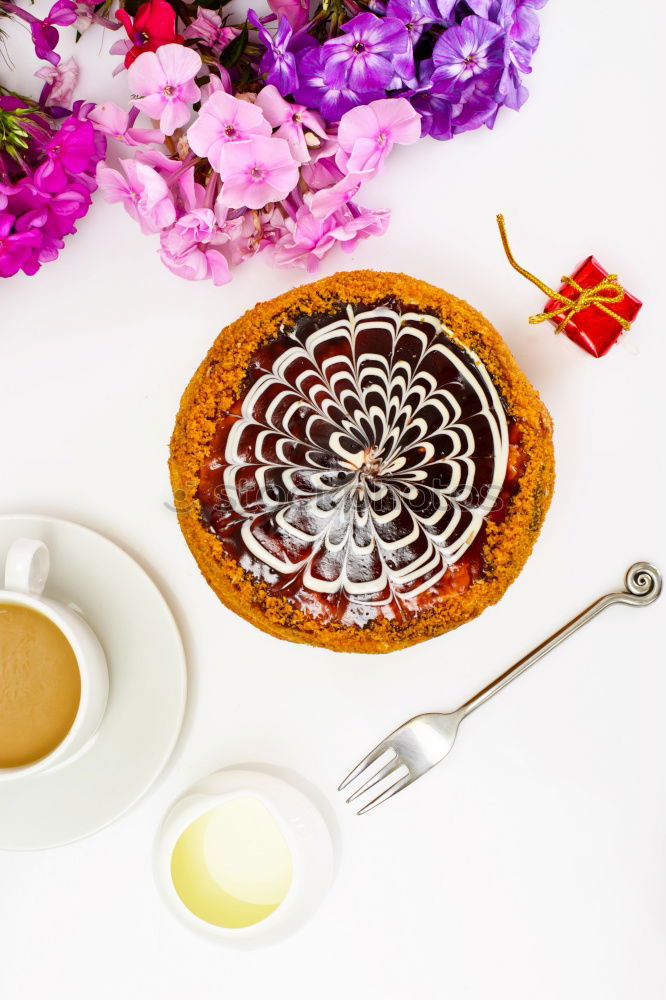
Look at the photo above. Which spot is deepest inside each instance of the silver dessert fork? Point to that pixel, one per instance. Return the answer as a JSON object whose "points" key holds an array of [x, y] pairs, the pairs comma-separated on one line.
{"points": [[426, 739]]}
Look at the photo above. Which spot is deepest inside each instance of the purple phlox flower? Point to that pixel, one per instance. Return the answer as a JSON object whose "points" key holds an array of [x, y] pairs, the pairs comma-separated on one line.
{"points": [[519, 19], [60, 82], [45, 35], [362, 57], [191, 248], [208, 28], [446, 9], [277, 62], [302, 129], [312, 91], [143, 192], [15, 248], [224, 119], [435, 109], [468, 54], [256, 171], [113, 121], [416, 15], [368, 133], [484, 8], [72, 150]]}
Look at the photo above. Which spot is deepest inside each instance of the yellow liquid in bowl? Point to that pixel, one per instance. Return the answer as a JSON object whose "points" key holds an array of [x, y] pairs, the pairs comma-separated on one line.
{"points": [[232, 867]]}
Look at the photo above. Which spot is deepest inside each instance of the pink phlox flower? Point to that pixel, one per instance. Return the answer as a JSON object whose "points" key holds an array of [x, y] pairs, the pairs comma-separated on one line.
{"points": [[355, 224], [120, 48], [321, 173], [60, 80], [207, 27], [295, 11], [164, 81], [309, 239], [328, 200], [192, 248], [117, 123], [256, 171], [367, 133], [178, 175], [250, 232], [224, 119], [86, 16], [306, 242], [301, 128], [216, 83], [143, 192]]}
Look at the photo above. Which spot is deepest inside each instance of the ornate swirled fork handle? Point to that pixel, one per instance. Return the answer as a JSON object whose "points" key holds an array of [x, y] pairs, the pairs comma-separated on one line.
{"points": [[643, 586]]}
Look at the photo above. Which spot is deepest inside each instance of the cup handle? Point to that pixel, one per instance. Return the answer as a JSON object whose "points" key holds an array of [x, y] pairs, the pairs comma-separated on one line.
{"points": [[27, 566]]}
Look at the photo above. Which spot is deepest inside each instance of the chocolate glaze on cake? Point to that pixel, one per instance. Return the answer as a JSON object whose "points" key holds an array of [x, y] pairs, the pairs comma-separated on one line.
{"points": [[359, 464]]}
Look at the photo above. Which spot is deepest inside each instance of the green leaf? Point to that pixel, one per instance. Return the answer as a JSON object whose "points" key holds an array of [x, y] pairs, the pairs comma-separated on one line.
{"points": [[235, 49]]}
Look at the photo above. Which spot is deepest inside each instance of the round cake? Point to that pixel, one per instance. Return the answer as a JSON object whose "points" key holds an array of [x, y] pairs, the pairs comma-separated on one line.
{"points": [[360, 464]]}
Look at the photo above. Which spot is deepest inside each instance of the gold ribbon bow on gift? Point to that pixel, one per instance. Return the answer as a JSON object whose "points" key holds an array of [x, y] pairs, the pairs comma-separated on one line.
{"points": [[608, 292]]}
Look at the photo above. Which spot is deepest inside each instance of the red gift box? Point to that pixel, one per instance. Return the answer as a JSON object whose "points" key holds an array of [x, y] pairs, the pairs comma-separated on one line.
{"points": [[593, 328]]}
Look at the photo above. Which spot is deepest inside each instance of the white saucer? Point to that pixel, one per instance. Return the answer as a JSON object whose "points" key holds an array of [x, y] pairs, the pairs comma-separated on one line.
{"points": [[148, 685]]}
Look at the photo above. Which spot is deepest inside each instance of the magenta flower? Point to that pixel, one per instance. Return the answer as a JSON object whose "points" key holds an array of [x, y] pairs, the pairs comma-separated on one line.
{"points": [[117, 123], [361, 58], [45, 35], [368, 133], [143, 193], [191, 248], [301, 128], [469, 53], [277, 62], [60, 83], [72, 150], [207, 27], [224, 119], [256, 172], [15, 248], [164, 81]]}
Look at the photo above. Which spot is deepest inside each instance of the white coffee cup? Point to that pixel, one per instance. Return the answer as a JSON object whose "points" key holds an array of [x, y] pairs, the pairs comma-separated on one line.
{"points": [[26, 571]]}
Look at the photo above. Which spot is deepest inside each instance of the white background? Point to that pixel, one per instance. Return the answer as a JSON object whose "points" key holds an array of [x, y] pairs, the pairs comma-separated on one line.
{"points": [[532, 863]]}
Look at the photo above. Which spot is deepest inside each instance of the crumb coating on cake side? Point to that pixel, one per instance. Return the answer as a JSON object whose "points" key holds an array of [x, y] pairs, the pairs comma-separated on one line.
{"points": [[217, 384]]}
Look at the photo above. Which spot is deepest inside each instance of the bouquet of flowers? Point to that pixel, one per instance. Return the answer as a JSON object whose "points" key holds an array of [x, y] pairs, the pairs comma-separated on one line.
{"points": [[257, 134]]}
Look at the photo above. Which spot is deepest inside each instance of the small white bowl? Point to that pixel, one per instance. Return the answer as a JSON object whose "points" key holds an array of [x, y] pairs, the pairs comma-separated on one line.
{"points": [[303, 827]]}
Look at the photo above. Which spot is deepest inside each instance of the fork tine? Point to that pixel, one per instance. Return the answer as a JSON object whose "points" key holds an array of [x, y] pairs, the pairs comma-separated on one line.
{"points": [[369, 759], [393, 790], [384, 772]]}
